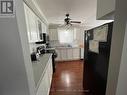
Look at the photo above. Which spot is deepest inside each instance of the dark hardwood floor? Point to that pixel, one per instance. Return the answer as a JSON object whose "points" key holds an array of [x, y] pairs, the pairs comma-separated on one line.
{"points": [[68, 79]]}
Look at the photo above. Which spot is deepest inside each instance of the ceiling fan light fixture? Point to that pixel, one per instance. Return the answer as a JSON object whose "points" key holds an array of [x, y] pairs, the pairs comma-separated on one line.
{"points": [[67, 20], [68, 23]]}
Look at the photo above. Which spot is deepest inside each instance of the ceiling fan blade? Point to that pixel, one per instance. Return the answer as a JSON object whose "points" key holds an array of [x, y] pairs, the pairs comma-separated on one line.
{"points": [[75, 22]]}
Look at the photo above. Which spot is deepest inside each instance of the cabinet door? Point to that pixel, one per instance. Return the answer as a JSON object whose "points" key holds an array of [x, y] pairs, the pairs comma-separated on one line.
{"points": [[42, 90], [58, 55], [33, 26], [70, 54], [50, 71], [47, 81], [26, 9], [38, 28], [45, 30], [82, 53], [76, 53], [45, 84], [63, 54]]}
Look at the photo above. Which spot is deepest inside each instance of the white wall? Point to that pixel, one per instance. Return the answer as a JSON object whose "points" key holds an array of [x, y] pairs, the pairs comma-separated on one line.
{"points": [[122, 84], [117, 66], [104, 8], [16, 77]]}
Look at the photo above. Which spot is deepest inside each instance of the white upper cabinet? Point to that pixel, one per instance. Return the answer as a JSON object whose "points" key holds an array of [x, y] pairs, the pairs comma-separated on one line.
{"points": [[31, 24], [27, 22], [45, 30], [44, 27], [34, 25], [105, 9]]}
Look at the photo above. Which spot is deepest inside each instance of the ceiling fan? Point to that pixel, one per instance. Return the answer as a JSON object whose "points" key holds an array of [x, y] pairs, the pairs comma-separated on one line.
{"points": [[68, 21]]}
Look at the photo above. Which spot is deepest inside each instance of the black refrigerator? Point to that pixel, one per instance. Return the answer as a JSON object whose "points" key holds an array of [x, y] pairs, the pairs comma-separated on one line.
{"points": [[96, 64]]}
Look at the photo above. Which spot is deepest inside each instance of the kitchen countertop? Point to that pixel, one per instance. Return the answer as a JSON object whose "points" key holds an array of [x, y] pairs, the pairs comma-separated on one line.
{"points": [[39, 67]]}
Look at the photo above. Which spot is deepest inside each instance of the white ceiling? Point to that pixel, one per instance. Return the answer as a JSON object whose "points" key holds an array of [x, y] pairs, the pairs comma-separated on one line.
{"points": [[82, 10]]}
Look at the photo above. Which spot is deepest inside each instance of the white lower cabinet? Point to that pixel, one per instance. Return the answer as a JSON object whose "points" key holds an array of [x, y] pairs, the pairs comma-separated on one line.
{"points": [[70, 54], [63, 54], [76, 53], [45, 84], [50, 72], [66, 54], [58, 54]]}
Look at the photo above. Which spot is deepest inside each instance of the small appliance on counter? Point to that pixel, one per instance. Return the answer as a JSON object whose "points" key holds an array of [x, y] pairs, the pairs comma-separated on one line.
{"points": [[41, 49], [45, 47], [34, 56]]}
